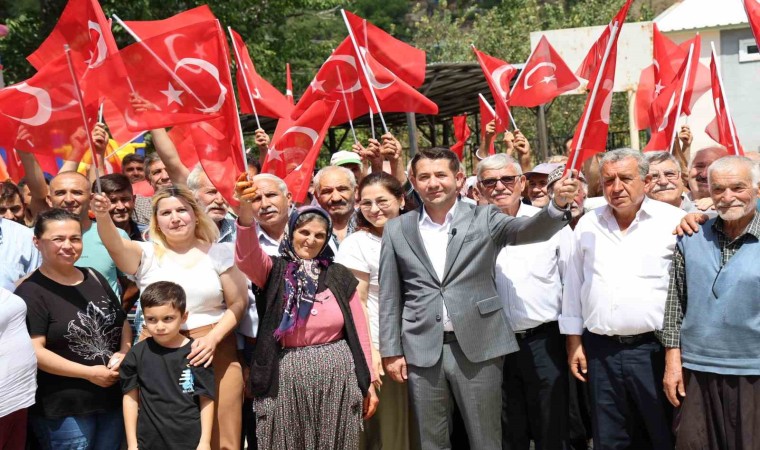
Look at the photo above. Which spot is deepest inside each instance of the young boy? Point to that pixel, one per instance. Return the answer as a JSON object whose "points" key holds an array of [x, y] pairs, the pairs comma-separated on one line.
{"points": [[176, 406]]}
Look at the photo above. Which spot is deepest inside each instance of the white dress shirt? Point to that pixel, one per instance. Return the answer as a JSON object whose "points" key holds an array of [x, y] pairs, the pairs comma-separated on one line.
{"points": [[249, 323], [529, 277], [617, 281], [435, 238]]}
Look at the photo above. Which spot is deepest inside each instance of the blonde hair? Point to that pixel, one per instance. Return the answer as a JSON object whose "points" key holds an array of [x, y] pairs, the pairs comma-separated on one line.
{"points": [[205, 228]]}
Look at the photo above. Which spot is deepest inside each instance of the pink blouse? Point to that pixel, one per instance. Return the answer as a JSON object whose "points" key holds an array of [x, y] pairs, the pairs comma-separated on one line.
{"points": [[326, 322]]}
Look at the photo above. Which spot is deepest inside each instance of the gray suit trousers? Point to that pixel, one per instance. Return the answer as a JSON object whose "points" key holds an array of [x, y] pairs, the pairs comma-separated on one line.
{"points": [[476, 388]]}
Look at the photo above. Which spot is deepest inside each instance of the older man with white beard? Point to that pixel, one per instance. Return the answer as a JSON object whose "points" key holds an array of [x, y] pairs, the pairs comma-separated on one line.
{"points": [[711, 330]]}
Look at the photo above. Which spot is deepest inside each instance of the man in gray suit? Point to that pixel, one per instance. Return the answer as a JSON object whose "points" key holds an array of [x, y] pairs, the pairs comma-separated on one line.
{"points": [[442, 326]]}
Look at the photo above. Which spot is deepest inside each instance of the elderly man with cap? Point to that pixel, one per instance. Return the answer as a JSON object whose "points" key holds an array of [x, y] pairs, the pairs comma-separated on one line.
{"points": [[711, 330], [538, 180], [529, 281], [613, 301], [351, 161]]}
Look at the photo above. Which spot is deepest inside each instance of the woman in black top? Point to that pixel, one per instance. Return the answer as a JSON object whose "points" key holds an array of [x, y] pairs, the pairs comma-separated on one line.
{"points": [[80, 336]]}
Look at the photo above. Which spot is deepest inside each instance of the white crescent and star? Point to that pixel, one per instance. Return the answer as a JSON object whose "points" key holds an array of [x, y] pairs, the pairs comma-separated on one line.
{"points": [[173, 95], [100, 47], [666, 116], [44, 107], [350, 60], [497, 74], [546, 79], [371, 74], [211, 70], [169, 42], [607, 105]]}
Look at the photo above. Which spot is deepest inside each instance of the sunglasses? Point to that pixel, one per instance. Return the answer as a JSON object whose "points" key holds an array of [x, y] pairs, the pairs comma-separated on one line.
{"points": [[507, 181]]}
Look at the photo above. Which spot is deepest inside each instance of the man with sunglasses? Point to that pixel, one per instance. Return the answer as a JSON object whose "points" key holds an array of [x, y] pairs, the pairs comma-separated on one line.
{"points": [[529, 281]]}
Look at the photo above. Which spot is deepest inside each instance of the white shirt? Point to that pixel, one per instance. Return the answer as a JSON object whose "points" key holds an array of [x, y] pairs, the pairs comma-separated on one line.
{"points": [[529, 277], [360, 251], [18, 363], [435, 238], [197, 273], [617, 282], [249, 323]]}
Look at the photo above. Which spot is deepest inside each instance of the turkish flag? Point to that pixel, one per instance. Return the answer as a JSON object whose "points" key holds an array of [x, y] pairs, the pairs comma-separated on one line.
{"points": [[10, 165], [406, 62], [461, 133], [338, 80], [645, 95], [269, 102], [722, 128], [218, 141], [145, 29], [668, 106], [179, 75], [288, 85], [544, 77], [392, 92], [295, 149], [85, 29], [117, 126], [591, 132], [592, 63], [498, 75], [668, 58], [42, 114], [487, 114]]}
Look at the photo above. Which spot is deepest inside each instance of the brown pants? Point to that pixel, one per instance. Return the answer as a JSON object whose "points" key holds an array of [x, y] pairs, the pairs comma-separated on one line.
{"points": [[719, 412], [228, 409]]}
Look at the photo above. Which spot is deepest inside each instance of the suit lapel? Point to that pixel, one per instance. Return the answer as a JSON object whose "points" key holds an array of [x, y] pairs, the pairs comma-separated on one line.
{"points": [[462, 218], [410, 227]]}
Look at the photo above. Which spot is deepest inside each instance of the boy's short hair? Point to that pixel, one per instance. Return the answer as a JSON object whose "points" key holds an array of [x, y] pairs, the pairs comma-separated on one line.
{"points": [[163, 293]]}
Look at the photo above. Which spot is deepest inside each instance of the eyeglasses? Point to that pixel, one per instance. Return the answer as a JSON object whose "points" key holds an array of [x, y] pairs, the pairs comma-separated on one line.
{"points": [[381, 203], [671, 175], [15, 209], [507, 181]]}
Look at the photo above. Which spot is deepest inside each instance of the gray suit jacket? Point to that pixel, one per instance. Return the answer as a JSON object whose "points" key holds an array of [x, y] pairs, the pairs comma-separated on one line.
{"points": [[412, 297]]}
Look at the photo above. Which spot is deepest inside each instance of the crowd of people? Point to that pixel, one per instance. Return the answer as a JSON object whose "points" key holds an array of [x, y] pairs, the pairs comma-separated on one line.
{"points": [[405, 308]]}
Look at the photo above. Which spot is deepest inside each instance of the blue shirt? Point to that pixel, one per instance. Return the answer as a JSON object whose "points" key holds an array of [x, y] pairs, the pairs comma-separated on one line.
{"points": [[18, 255], [95, 255]]}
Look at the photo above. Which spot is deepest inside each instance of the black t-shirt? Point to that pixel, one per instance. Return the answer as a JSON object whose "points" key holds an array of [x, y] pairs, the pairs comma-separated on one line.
{"points": [[82, 324], [169, 415]]}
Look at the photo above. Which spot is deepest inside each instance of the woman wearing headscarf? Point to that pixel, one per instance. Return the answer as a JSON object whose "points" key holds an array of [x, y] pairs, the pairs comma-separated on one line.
{"points": [[310, 376]]}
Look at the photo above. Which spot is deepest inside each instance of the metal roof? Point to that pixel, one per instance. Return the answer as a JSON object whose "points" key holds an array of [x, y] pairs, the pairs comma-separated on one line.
{"points": [[454, 87], [701, 14]]}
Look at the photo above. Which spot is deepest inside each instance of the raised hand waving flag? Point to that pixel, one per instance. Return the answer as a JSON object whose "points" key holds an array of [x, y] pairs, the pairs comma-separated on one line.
{"points": [[498, 75]]}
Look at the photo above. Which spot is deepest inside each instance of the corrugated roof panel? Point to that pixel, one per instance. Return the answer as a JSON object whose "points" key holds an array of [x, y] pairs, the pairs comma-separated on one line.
{"points": [[700, 14]]}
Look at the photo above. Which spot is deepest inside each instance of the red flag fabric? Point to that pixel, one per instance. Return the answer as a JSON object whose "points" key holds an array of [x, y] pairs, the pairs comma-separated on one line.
{"points": [[329, 85], [393, 93], [487, 114], [591, 133], [752, 7], [593, 60], [722, 128], [288, 84], [179, 75], [85, 29], [42, 115], [498, 75], [667, 57], [269, 101], [294, 152], [10, 165], [645, 95], [406, 62], [665, 111], [544, 77], [218, 141], [461, 134], [117, 126], [145, 29]]}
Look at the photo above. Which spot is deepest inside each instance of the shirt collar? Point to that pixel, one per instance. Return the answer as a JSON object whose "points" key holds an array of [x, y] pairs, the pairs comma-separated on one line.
{"points": [[262, 235], [645, 208], [424, 217], [753, 228]]}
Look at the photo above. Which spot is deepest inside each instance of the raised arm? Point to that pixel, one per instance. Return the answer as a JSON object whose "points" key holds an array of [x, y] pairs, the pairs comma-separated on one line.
{"points": [[249, 256], [35, 179], [126, 254], [169, 156]]}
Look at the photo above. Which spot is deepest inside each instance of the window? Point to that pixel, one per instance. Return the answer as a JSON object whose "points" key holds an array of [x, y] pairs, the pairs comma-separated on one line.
{"points": [[748, 50]]}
